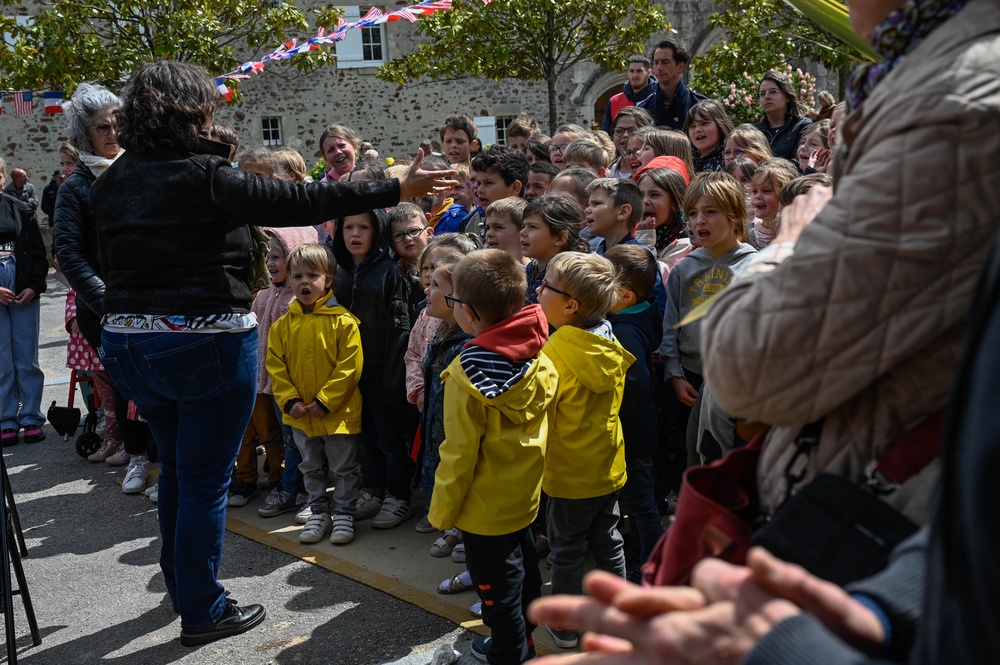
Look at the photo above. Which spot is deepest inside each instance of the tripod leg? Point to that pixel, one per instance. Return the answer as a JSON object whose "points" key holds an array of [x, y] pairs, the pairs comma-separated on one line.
{"points": [[22, 586], [9, 494], [8, 599]]}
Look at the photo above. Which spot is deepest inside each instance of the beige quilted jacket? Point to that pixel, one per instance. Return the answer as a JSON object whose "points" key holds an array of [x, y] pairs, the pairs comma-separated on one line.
{"points": [[862, 325]]}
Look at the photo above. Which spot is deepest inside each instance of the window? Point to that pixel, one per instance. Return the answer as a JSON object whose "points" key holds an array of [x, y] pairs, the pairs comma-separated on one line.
{"points": [[270, 129], [502, 122], [361, 47]]}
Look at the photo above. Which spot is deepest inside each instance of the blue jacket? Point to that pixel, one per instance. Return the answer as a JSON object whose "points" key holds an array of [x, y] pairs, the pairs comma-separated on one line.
{"points": [[674, 115], [639, 329]]}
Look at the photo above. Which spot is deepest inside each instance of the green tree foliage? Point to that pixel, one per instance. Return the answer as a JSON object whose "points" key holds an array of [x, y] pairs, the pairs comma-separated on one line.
{"points": [[529, 40], [762, 35], [70, 41]]}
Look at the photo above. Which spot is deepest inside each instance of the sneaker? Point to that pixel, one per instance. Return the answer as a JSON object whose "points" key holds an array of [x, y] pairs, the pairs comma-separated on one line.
{"points": [[240, 493], [107, 449], [369, 505], [425, 526], [670, 504], [119, 457], [394, 512], [481, 648], [303, 515], [153, 492], [135, 475], [477, 609], [33, 434], [316, 528], [8, 437], [234, 620], [277, 503], [343, 530], [564, 639]]}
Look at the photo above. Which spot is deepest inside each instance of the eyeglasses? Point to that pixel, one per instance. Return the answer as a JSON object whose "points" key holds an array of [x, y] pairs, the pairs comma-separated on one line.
{"points": [[770, 92], [105, 130], [625, 131], [546, 285], [734, 153], [450, 300], [408, 233], [632, 153], [553, 149]]}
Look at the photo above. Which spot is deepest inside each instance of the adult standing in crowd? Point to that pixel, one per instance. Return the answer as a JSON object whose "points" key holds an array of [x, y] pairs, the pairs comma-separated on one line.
{"points": [[861, 328], [23, 191], [93, 133], [670, 102], [783, 121], [640, 84], [172, 219], [49, 195], [23, 266]]}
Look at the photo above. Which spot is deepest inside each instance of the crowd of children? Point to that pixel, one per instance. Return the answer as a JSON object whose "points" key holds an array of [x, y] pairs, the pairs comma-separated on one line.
{"points": [[515, 347]]}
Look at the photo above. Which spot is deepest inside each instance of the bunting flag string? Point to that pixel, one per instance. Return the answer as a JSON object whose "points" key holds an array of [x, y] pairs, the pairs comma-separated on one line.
{"points": [[289, 49]]}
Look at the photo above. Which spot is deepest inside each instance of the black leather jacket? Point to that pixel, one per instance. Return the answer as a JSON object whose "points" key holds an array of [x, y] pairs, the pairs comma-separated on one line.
{"points": [[173, 227], [74, 238], [31, 264]]}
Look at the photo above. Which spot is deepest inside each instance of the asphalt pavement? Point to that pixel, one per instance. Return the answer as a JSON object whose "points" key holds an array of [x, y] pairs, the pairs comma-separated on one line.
{"points": [[93, 573]]}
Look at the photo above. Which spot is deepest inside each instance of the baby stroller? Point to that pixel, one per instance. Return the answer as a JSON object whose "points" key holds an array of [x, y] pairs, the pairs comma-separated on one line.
{"points": [[66, 419]]}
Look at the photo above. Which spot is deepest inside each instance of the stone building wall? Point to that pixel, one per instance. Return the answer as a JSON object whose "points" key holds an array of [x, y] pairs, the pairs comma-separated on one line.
{"points": [[395, 119]]}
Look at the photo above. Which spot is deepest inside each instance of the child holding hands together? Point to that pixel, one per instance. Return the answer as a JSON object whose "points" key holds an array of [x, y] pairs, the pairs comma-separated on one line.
{"points": [[314, 358]]}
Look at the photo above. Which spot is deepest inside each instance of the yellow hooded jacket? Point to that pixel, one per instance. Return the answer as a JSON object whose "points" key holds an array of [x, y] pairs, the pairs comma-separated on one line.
{"points": [[585, 457], [489, 479], [317, 356]]}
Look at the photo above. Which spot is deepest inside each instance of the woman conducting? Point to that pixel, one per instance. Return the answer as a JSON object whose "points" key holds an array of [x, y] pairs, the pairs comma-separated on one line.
{"points": [[172, 223]]}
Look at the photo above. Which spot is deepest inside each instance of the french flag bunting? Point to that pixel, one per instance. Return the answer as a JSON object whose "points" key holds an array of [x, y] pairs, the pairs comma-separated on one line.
{"points": [[53, 102], [224, 90], [24, 103]]}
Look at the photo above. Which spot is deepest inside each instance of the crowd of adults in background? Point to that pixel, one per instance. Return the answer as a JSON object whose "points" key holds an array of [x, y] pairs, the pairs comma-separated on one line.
{"points": [[834, 332]]}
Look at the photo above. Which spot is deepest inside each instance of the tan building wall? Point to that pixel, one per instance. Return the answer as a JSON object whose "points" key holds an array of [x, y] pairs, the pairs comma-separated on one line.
{"points": [[394, 119]]}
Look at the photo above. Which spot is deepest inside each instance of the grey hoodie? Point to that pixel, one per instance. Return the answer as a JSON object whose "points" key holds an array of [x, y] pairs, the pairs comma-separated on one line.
{"points": [[694, 279]]}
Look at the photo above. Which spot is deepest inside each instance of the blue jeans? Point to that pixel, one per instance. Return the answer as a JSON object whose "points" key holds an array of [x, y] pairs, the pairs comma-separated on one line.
{"points": [[196, 391], [578, 526], [291, 477], [21, 378]]}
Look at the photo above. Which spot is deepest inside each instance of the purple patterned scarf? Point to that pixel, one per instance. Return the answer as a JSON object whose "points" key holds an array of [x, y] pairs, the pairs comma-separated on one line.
{"points": [[895, 38]]}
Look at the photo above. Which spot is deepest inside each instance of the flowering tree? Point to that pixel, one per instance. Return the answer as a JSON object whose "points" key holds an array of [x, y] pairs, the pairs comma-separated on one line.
{"points": [[762, 35], [740, 97]]}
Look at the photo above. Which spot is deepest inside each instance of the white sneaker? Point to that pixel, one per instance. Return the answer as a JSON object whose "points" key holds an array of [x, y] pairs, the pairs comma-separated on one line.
{"points": [[303, 515], [394, 512], [343, 530], [316, 528], [135, 475], [368, 505]]}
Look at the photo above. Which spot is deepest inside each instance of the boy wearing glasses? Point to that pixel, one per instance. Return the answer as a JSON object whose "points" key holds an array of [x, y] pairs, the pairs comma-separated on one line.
{"points": [[409, 234], [498, 397], [585, 456]]}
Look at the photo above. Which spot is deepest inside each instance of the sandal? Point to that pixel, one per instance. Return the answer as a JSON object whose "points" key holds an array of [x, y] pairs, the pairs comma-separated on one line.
{"points": [[442, 547], [458, 554], [425, 526], [456, 584]]}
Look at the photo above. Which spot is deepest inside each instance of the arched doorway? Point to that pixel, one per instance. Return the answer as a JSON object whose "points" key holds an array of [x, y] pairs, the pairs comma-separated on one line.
{"points": [[601, 103]]}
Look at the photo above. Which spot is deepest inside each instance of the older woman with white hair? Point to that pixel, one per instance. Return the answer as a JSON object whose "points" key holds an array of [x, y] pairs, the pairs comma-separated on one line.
{"points": [[93, 130]]}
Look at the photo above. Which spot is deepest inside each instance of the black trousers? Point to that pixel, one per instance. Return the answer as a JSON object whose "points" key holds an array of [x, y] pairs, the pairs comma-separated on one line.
{"points": [[504, 570]]}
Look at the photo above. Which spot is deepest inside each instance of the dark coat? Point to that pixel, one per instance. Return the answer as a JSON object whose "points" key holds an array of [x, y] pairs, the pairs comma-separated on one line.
{"points": [[173, 227], [785, 141], [674, 115], [74, 238], [385, 301], [640, 333], [32, 264]]}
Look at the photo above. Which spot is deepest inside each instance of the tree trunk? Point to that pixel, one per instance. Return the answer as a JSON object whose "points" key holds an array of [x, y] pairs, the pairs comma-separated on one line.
{"points": [[550, 83]]}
